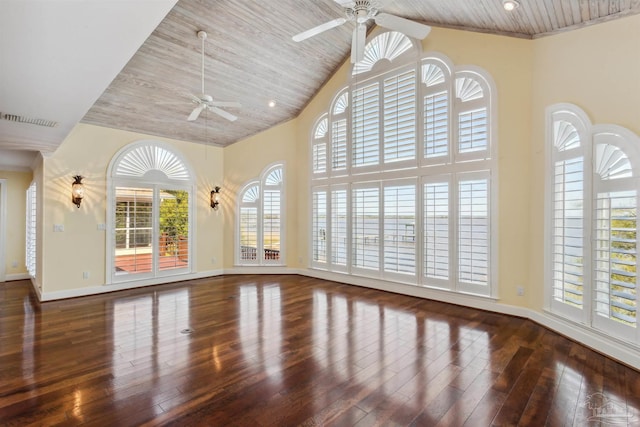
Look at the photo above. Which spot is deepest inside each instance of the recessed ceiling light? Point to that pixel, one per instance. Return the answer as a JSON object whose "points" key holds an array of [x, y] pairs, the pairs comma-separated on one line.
{"points": [[510, 4], [272, 103]]}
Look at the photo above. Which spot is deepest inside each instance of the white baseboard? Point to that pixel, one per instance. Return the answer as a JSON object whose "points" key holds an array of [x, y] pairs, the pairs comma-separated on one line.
{"points": [[17, 276], [598, 341], [101, 289], [261, 269]]}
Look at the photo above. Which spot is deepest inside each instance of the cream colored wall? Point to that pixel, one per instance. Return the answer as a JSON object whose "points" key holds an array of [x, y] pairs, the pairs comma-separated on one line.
{"points": [[17, 184], [87, 151], [244, 161], [596, 68]]}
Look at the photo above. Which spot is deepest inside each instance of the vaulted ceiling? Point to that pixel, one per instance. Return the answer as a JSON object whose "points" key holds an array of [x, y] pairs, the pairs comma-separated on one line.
{"points": [[249, 58]]}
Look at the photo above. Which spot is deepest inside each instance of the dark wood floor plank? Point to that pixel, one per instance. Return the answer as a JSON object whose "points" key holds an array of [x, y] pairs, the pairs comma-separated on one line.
{"points": [[288, 350]]}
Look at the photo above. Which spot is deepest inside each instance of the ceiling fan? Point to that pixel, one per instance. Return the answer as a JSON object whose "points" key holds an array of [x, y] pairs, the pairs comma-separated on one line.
{"points": [[204, 101], [362, 11]]}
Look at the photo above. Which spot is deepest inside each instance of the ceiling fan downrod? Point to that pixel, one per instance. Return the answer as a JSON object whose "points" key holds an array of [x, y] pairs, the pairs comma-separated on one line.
{"points": [[202, 35]]}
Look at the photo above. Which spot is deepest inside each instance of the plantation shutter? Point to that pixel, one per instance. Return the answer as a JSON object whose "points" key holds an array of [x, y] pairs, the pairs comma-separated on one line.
{"points": [[568, 231], [400, 117], [436, 125], [472, 130], [473, 231], [339, 227], [319, 226], [272, 215], [319, 152], [616, 256], [615, 243], [366, 126], [366, 228], [31, 223], [339, 145], [400, 229], [436, 231], [271, 225], [248, 224], [472, 118]]}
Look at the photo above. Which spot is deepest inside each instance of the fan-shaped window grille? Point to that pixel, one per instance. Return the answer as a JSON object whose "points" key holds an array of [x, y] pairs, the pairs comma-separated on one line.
{"points": [[468, 89], [389, 45], [321, 129], [150, 157], [274, 177], [251, 194], [341, 104], [565, 135], [432, 75], [611, 162]]}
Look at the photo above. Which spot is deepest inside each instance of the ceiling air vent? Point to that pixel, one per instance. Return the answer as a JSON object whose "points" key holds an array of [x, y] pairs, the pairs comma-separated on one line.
{"points": [[29, 120]]}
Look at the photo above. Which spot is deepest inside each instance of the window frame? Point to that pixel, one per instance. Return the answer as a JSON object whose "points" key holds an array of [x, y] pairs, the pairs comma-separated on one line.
{"points": [[590, 137], [261, 182], [419, 169], [156, 180]]}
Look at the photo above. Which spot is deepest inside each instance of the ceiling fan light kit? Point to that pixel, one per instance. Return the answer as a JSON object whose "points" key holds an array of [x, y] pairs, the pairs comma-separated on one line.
{"points": [[360, 12], [204, 101], [510, 5]]}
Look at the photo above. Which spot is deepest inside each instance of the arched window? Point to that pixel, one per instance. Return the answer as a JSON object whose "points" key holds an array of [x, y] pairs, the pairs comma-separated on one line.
{"points": [[150, 213], [409, 194], [319, 147], [260, 231], [592, 222]]}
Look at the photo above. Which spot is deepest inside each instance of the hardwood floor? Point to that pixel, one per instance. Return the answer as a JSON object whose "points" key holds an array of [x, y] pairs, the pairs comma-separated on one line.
{"points": [[290, 350]]}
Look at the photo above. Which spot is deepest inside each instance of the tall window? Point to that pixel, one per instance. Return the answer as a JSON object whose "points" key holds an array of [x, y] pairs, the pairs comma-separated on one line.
{"points": [[592, 222], [260, 220], [151, 213], [31, 223], [409, 191]]}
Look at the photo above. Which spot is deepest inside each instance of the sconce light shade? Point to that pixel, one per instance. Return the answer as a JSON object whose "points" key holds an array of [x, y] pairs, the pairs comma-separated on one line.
{"points": [[215, 198], [77, 190]]}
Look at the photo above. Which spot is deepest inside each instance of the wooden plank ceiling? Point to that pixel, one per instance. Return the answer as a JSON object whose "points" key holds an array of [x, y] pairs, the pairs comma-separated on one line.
{"points": [[251, 59]]}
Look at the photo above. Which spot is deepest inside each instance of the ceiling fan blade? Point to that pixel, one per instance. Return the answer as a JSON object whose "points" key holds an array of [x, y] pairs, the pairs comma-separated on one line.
{"points": [[346, 3], [406, 26], [223, 113], [196, 112], [357, 43], [319, 29], [224, 104]]}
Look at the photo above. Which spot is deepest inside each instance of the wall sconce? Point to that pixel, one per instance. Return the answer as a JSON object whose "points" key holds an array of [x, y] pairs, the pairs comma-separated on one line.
{"points": [[510, 5], [77, 190], [215, 198]]}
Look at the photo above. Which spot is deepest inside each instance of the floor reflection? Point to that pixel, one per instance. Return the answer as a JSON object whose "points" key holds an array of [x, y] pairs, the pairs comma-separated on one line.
{"points": [[260, 326]]}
